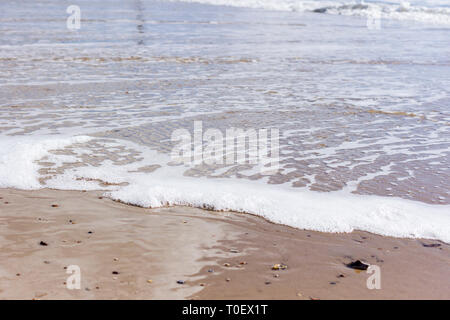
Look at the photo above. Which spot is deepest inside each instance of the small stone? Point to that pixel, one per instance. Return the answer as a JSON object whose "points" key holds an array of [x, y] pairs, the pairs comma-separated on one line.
{"points": [[358, 265], [97, 287], [341, 276], [279, 266], [90, 232], [47, 262], [149, 281], [210, 270], [116, 259], [87, 289], [431, 245], [114, 278], [227, 279], [115, 272], [332, 283], [267, 282], [42, 243], [18, 274], [226, 264], [276, 275], [243, 262], [202, 284], [180, 281], [299, 294], [55, 206], [100, 198], [234, 251]]}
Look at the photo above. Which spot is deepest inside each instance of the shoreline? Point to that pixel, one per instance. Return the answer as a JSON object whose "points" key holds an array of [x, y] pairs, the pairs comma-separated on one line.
{"points": [[151, 249]]}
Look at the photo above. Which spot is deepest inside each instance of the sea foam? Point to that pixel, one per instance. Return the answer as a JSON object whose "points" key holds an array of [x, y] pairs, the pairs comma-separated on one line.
{"points": [[426, 11], [339, 211]]}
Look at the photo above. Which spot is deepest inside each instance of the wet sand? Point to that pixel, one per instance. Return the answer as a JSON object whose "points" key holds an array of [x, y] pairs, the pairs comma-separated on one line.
{"points": [[126, 252]]}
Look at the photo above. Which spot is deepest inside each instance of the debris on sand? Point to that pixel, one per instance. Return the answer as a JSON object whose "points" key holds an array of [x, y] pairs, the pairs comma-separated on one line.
{"points": [[55, 205], [42, 243], [115, 272], [431, 245], [358, 265], [180, 281], [279, 266]]}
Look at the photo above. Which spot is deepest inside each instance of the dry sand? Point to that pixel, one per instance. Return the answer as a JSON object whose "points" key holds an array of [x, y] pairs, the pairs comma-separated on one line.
{"points": [[166, 245]]}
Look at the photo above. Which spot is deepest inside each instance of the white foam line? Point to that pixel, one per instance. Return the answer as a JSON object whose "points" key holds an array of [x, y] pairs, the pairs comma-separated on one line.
{"points": [[300, 208]]}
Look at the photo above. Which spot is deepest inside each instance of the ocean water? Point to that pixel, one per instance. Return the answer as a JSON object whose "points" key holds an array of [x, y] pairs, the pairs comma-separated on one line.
{"points": [[359, 92]]}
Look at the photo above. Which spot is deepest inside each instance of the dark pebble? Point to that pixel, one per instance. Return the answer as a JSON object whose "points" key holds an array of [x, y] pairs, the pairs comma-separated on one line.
{"points": [[210, 270], [332, 282], [55, 206], [115, 272], [341, 276], [42, 243], [180, 281], [358, 265], [431, 245]]}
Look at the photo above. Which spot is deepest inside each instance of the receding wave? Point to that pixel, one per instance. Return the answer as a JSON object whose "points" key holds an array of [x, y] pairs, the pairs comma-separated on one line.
{"points": [[402, 11]]}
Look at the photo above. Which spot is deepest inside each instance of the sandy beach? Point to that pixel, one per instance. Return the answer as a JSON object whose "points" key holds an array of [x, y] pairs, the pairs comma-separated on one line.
{"points": [[127, 252]]}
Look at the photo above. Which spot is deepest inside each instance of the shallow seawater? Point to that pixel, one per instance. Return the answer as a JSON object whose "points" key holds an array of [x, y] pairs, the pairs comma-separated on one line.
{"points": [[359, 111]]}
